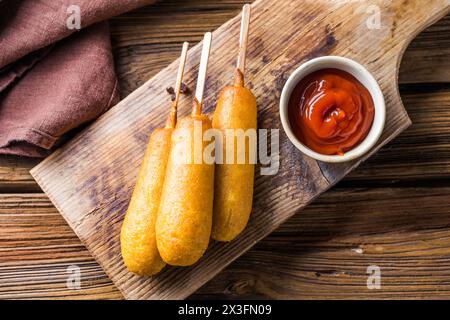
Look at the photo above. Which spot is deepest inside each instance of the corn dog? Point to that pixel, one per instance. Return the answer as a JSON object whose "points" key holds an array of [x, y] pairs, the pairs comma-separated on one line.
{"points": [[138, 241], [183, 226], [236, 109]]}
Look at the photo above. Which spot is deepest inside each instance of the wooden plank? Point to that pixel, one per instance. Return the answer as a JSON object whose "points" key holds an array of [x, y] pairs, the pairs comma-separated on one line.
{"points": [[9, 177], [14, 174], [321, 252], [428, 56], [422, 151], [147, 40], [37, 246], [89, 179], [31, 217], [44, 264], [425, 148], [324, 251], [141, 52]]}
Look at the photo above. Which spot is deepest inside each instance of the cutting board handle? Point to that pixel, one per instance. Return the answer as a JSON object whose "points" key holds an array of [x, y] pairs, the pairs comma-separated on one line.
{"points": [[421, 14]]}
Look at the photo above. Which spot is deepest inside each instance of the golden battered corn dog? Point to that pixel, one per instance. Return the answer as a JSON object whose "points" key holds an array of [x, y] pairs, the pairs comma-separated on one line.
{"points": [[183, 226], [233, 183], [138, 241], [236, 109]]}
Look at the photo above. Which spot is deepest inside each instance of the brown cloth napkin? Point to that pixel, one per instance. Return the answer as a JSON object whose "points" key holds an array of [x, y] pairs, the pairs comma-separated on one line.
{"points": [[49, 86]]}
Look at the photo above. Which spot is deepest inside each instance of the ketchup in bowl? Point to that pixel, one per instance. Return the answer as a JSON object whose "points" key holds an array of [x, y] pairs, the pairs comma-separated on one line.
{"points": [[330, 111]]}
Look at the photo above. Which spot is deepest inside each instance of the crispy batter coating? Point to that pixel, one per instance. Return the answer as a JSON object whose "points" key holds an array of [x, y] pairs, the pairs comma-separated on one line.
{"points": [[183, 227], [138, 241], [233, 194]]}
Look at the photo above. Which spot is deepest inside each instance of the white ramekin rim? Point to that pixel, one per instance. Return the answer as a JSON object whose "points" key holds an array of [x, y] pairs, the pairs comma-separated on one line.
{"points": [[362, 75]]}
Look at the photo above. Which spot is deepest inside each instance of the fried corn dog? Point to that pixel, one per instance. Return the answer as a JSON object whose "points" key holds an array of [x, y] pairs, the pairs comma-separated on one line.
{"points": [[183, 226], [137, 238], [233, 186]]}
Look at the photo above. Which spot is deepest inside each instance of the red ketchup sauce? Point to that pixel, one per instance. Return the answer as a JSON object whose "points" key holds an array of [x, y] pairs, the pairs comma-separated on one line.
{"points": [[330, 111]]}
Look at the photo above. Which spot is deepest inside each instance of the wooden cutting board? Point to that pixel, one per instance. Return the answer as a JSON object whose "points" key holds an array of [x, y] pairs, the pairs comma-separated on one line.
{"points": [[90, 179]]}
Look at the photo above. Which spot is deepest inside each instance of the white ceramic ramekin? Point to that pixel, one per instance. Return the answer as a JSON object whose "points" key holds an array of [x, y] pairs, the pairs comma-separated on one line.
{"points": [[366, 79]]}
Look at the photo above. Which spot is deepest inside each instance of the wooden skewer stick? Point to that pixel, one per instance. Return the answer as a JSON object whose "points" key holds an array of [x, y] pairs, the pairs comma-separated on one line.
{"points": [[181, 71], [172, 121], [245, 23], [203, 68]]}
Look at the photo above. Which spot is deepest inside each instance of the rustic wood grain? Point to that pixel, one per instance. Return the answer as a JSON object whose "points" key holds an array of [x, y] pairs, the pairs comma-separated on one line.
{"points": [[425, 147], [427, 58], [148, 39], [138, 58], [37, 246], [27, 217], [90, 178], [423, 151], [15, 175], [322, 252], [432, 166], [384, 167]]}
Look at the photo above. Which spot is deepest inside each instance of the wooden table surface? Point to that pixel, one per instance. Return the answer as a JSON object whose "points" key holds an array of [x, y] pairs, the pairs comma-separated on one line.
{"points": [[392, 212]]}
